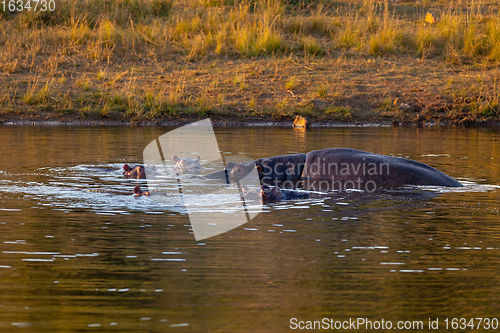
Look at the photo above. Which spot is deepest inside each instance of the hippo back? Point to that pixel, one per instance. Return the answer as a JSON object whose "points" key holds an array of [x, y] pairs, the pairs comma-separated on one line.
{"points": [[342, 168]]}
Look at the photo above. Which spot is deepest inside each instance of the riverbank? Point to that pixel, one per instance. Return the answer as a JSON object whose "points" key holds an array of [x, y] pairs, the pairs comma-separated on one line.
{"points": [[395, 67]]}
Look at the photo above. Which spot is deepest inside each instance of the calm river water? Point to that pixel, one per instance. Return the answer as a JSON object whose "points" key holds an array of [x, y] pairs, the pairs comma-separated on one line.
{"points": [[74, 261]]}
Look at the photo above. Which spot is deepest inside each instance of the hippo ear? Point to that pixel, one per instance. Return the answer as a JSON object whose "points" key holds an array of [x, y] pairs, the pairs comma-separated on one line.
{"points": [[197, 157], [126, 167], [175, 158]]}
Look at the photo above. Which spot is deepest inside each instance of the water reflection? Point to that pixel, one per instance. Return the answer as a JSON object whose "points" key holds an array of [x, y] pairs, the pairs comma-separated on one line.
{"points": [[74, 260]]}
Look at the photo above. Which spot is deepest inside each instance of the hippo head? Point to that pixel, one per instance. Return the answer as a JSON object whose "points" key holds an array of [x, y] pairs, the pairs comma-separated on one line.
{"points": [[271, 194], [138, 192], [187, 164], [136, 172], [240, 170], [141, 172]]}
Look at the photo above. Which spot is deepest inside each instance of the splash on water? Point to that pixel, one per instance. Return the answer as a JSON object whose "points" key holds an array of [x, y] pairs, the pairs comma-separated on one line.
{"points": [[102, 188]]}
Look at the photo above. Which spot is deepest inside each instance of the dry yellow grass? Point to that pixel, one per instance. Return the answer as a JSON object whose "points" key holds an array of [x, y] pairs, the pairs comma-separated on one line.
{"points": [[151, 59]]}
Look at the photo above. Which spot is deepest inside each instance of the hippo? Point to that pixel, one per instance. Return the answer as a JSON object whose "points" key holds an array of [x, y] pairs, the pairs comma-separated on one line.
{"points": [[138, 192], [266, 194], [107, 191], [139, 171], [221, 174], [187, 164], [338, 169], [284, 170]]}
